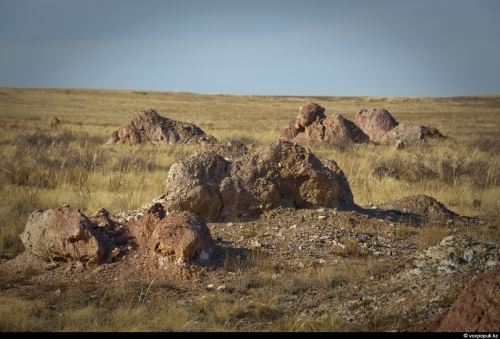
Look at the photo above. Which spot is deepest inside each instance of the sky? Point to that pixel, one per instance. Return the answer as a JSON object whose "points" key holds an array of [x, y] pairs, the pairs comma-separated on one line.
{"points": [[308, 47]]}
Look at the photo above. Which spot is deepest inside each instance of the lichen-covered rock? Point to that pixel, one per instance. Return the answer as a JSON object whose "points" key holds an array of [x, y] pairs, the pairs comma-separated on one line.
{"points": [[149, 127], [410, 134], [375, 123], [282, 173], [63, 234]]}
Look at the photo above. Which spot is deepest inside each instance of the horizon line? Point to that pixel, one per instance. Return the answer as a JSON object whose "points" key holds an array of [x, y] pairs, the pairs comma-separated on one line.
{"points": [[247, 95]]}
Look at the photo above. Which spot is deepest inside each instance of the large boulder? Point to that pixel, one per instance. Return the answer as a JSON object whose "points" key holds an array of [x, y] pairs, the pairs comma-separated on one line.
{"points": [[282, 173], [410, 134], [477, 308], [149, 127], [375, 123], [63, 234], [313, 127]]}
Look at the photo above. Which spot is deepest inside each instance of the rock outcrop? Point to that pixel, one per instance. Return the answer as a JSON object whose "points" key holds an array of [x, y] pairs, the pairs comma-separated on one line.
{"points": [[282, 173], [410, 134], [376, 123], [149, 127], [312, 126]]}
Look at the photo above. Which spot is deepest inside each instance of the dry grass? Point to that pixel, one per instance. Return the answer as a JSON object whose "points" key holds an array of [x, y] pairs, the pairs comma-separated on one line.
{"points": [[430, 236], [51, 144]]}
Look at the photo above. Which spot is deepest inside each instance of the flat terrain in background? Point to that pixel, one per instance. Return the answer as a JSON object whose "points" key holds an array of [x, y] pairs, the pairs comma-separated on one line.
{"points": [[53, 152]]}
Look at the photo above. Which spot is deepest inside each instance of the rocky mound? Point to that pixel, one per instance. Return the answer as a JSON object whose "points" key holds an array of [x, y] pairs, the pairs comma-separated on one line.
{"points": [[376, 123], [312, 126], [477, 308], [65, 234], [149, 127], [282, 173], [422, 206], [410, 134]]}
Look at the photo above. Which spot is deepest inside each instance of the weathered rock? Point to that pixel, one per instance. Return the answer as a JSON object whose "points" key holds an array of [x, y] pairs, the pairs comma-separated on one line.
{"points": [[420, 205], [477, 308], [310, 113], [410, 134], [180, 237], [149, 127], [376, 123], [63, 234], [282, 173], [194, 184], [311, 126], [334, 130]]}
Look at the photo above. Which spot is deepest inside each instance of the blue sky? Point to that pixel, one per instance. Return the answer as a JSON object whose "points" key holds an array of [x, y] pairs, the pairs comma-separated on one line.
{"points": [[385, 47]]}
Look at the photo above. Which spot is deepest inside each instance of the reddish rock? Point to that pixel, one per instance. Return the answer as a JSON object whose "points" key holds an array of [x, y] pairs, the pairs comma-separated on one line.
{"points": [[181, 237], [312, 127], [310, 113], [376, 123], [63, 234], [477, 308]]}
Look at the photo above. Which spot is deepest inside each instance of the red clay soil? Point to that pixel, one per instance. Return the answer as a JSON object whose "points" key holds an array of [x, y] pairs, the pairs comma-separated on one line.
{"points": [[477, 308]]}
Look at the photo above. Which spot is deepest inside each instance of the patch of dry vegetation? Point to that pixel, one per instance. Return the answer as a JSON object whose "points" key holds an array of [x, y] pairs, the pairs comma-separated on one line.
{"points": [[53, 153]]}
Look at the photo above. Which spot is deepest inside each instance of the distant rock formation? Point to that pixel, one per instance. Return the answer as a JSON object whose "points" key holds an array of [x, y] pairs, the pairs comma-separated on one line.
{"points": [[149, 127], [375, 123], [312, 126]]}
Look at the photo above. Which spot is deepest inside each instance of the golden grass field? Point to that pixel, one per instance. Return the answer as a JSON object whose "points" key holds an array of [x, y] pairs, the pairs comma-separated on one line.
{"points": [[46, 163]]}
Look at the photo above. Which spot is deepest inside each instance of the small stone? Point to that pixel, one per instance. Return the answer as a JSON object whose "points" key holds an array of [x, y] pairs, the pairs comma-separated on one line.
{"points": [[204, 256], [221, 288], [210, 286], [230, 224], [52, 266], [468, 255], [293, 227], [255, 244], [322, 217], [321, 261], [491, 263], [374, 207], [415, 271], [58, 291], [447, 241]]}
